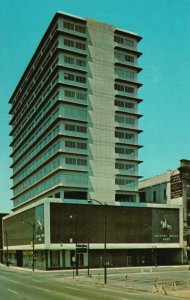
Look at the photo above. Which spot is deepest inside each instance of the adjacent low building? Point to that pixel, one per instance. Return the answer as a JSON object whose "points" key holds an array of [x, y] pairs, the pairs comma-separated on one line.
{"points": [[1, 238], [135, 235], [171, 188]]}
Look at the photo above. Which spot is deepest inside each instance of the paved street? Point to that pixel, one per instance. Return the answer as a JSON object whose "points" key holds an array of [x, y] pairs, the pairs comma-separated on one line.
{"points": [[18, 284]]}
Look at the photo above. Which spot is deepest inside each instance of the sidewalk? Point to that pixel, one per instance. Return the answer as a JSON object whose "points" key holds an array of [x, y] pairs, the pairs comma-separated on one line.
{"points": [[129, 281], [123, 278]]}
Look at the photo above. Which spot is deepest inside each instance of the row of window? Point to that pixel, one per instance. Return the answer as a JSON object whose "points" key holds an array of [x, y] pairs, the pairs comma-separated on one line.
{"points": [[124, 41], [43, 172], [75, 61], [75, 27], [38, 161], [126, 182], [77, 145], [124, 135], [76, 179], [123, 166], [22, 87], [34, 107], [40, 71], [125, 104], [125, 198], [77, 128], [75, 94], [126, 151], [68, 127], [74, 44], [76, 161], [43, 142], [124, 57], [124, 88], [39, 188], [73, 112], [49, 152], [38, 116], [73, 77], [125, 119], [123, 73], [39, 131]]}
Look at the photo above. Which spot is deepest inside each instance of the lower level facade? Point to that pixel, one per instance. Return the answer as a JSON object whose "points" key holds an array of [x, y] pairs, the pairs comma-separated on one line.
{"points": [[51, 234]]}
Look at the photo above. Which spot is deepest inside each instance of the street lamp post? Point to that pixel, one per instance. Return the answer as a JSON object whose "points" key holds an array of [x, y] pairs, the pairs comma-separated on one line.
{"points": [[105, 238], [154, 250], [76, 237], [33, 241]]}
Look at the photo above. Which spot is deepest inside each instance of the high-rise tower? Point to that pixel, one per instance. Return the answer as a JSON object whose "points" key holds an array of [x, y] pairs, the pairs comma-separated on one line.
{"points": [[75, 115]]}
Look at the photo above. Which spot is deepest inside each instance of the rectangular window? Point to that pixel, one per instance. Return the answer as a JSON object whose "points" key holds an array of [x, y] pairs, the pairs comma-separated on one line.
{"points": [[129, 105], [124, 41], [118, 39], [70, 144], [124, 135], [125, 104], [81, 46], [119, 119], [69, 127], [129, 136], [119, 103], [80, 79], [154, 196], [129, 58], [81, 29], [80, 62], [69, 94], [119, 181], [122, 166], [164, 194], [81, 96], [70, 160], [119, 134], [129, 151], [68, 25], [69, 60], [81, 129], [69, 43], [68, 76], [82, 162], [119, 150], [129, 43], [129, 89], [119, 87], [81, 145]]}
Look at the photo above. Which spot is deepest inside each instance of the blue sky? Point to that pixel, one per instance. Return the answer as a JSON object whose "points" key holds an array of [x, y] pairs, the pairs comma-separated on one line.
{"points": [[165, 27]]}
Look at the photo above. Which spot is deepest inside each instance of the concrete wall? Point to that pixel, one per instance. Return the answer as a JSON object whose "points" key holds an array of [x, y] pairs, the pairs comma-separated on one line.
{"points": [[101, 114]]}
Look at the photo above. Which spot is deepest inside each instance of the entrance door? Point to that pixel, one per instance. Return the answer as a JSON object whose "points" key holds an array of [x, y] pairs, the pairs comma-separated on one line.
{"points": [[80, 259], [19, 258], [129, 260], [54, 258]]}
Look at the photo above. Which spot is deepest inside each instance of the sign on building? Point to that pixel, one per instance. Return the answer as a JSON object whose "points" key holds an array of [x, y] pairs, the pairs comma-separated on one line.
{"points": [[176, 186]]}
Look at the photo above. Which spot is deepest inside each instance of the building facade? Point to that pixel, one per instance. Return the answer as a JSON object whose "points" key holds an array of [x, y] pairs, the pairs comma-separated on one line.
{"points": [[66, 232], [75, 116]]}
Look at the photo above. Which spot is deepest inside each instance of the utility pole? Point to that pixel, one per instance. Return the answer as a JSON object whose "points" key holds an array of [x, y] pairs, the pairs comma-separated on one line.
{"points": [[105, 238]]}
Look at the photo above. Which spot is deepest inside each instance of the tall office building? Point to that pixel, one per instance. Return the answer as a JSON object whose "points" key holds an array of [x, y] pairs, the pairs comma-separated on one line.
{"points": [[75, 142], [75, 116]]}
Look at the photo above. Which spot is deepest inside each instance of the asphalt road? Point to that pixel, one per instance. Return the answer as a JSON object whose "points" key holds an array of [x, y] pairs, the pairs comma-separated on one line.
{"points": [[27, 285]]}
